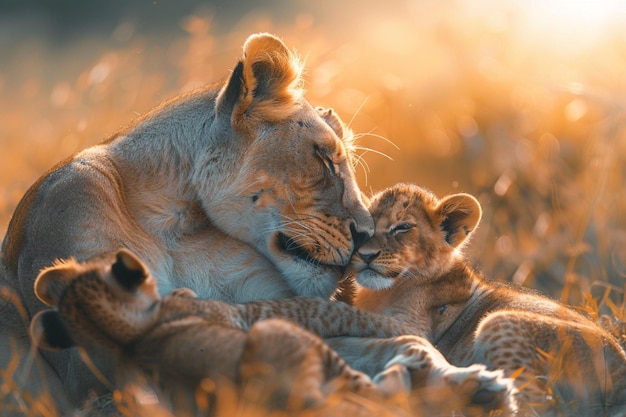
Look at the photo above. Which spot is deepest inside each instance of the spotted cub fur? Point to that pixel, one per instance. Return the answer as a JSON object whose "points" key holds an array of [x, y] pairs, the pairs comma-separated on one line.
{"points": [[413, 269], [110, 307]]}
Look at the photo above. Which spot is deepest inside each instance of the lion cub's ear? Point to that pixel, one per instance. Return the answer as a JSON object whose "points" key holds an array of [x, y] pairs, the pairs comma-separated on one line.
{"points": [[459, 214], [52, 281], [48, 332], [332, 119], [265, 83], [128, 270]]}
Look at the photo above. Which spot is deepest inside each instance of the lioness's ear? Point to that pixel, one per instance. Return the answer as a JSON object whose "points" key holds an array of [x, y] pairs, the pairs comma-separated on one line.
{"points": [[128, 270], [52, 281], [271, 70], [266, 82], [232, 93], [48, 332], [459, 214]]}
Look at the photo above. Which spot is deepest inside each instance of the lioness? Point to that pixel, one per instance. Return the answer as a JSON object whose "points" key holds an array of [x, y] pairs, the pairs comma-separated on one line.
{"points": [[412, 269], [244, 170], [110, 306]]}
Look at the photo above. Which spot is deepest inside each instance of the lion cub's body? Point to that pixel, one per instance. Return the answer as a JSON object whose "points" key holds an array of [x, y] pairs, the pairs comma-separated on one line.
{"points": [[421, 278], [110, 307]]}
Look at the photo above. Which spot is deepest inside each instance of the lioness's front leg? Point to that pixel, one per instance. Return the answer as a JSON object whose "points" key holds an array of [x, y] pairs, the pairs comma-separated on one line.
{"points": [[471, 389]]}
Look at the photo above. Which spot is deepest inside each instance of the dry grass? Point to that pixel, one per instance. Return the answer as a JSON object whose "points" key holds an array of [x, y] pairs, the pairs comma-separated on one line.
{"points": [[522, 110]]}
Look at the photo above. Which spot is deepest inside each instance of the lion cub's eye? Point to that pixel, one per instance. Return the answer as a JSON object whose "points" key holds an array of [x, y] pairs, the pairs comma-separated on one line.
{"points": [[442, 308], [400, 228]]}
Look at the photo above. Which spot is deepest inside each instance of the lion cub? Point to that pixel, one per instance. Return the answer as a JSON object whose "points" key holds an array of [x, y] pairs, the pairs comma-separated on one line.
{"points": [[412, 269], [110, 307]]}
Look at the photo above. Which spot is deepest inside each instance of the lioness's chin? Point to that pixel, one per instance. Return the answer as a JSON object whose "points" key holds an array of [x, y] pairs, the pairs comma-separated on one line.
{"points": [[373, 280], [305, 275], [308, 280]]}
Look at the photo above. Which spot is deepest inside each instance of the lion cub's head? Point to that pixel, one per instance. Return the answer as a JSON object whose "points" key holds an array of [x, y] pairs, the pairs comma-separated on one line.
{"points": [[104, 302], [417, 235]]}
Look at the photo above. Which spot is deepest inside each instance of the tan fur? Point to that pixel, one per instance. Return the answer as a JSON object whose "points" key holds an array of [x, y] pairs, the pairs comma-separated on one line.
{"points": [[240, 190], [561, 359], [110, 307]]}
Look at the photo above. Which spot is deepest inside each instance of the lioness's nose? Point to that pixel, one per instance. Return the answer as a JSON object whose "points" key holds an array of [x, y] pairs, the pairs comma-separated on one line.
{"points": [[363, 223], [358, 237]]}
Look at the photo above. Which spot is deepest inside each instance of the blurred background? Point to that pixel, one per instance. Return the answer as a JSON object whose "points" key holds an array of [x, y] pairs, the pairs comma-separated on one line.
{"points": [[520, 103]]}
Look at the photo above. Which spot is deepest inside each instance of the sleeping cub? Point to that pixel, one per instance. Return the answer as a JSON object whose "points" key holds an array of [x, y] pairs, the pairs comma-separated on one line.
{"points": [[110, 307]]}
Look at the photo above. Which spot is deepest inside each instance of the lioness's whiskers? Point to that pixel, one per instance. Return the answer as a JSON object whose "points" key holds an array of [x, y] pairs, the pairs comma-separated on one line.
{"points": [[375, 135], [366, 150], [360, 160], [358, 110]]}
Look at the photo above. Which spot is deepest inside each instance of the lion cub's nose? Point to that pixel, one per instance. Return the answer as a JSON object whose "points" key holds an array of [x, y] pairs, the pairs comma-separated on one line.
{"points": [[368, 255]]}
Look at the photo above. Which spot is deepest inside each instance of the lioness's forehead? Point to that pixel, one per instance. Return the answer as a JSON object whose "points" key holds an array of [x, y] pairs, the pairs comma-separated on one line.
{"points": [[312, 126], [305, 128]]}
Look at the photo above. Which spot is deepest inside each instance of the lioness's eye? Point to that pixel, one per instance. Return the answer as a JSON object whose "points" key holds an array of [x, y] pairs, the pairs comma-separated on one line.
{"points": [[400, 228], [329, 164], [326, 160]]}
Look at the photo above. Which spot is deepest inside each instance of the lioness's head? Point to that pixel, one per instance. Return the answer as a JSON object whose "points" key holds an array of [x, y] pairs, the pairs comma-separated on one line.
{"points": [[101, 303], [417, 235], [293, 195]]}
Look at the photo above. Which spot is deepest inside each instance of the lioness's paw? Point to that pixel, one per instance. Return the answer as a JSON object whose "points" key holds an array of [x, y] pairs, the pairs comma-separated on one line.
{"points": [[480, 388]]}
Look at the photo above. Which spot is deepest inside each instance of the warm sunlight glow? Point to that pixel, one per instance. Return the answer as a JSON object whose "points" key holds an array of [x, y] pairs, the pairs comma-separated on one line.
{"points": [[573, 21], [520, 103]]}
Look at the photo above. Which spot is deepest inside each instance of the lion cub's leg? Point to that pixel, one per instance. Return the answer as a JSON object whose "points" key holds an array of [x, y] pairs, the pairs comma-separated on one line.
{"points": [[472, 389], [554, 363], [183, 292], [509, 342], [286, 366], [435, 384]]}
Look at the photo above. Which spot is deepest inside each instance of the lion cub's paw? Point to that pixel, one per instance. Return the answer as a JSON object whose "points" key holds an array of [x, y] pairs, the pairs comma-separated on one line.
{"points": [[481, 389], [474, 388], [183, 292], [418, 357], [394, 380]]}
